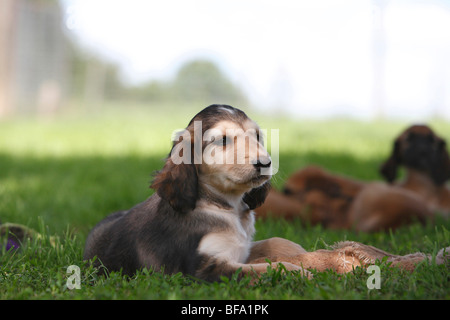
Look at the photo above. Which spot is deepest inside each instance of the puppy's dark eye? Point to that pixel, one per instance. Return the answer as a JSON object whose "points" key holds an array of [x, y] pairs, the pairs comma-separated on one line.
{"points": [[260, 139], [223, 141]]}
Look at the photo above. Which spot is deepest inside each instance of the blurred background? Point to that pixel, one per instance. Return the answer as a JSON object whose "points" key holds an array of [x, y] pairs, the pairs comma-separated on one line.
{"points": [[364, 59]]}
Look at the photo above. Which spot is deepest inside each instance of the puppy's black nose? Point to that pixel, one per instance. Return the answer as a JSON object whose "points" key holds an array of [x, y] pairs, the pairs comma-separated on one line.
{"points": [[265, 163]]}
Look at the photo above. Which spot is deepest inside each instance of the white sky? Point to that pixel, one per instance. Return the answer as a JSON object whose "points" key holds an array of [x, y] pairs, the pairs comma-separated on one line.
{"points": [[308, 57]]}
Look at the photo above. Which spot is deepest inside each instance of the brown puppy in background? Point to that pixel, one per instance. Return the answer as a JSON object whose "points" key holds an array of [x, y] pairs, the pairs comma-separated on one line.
{"points": [[427, 163], [341, 202], [314, 195], [319, 197], [421, 196]]}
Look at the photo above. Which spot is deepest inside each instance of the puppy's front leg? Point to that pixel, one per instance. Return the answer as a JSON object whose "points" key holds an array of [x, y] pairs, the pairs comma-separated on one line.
{"points": [[223, 257], [270, 248], [274, 247]]}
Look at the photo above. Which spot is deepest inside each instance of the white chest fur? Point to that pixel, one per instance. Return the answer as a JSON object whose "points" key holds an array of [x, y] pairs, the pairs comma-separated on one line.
{"points": [[232, 244]]}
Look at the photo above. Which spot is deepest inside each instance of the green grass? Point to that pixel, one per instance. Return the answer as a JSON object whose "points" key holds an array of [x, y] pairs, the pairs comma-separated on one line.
{"points": [[61, 176]]}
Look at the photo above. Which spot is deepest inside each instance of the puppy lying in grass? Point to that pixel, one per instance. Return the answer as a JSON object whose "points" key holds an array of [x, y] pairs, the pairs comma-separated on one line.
{"points": [[200, 220]]}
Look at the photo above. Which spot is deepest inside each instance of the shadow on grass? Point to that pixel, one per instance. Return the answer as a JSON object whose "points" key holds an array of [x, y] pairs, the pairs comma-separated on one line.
{"points": [[75, 191]]}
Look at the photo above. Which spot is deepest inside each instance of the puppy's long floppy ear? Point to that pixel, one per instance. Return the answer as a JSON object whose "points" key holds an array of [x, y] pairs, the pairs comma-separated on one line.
{"points": [[389, 169], [440, 172], [177, 184], [255, 197]]}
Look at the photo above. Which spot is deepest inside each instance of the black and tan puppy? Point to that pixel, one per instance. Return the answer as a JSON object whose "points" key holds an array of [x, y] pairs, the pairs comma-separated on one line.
{"points": [[200, 219], [427, 163]]}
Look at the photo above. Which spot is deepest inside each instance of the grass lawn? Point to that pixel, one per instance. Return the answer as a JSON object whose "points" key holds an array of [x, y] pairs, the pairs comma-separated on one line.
{"points": [[61, 176]]}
